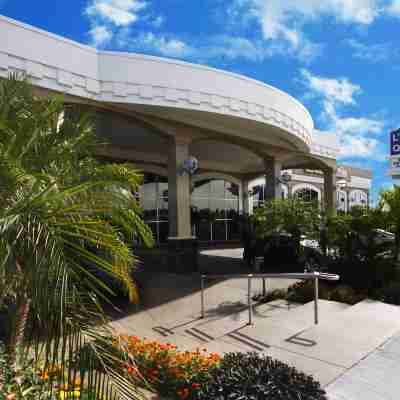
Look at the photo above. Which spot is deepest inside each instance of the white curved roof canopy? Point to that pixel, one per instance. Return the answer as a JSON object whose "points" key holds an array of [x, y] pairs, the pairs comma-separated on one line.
{"points": [[204, 96]]}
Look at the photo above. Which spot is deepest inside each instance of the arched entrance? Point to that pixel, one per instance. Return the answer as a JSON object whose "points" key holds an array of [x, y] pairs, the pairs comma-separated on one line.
{"points": [[215, 207], [307, 193]]}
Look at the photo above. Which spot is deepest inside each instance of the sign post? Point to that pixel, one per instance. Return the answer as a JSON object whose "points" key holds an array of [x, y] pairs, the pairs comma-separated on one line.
{"points": [[394, 157]]}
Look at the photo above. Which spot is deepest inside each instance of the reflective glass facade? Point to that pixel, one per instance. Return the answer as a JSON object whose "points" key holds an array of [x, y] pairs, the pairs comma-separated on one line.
{"points": [[306, 194], [215, 208], [153, 195]]}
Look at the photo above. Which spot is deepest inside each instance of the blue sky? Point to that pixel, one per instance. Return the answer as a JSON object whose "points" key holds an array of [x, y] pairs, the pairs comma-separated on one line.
{"points": [[339, 57]]}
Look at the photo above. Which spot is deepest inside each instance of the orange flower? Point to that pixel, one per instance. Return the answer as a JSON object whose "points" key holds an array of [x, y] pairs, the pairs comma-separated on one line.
{"points": [[196, 386], [44, 376]]}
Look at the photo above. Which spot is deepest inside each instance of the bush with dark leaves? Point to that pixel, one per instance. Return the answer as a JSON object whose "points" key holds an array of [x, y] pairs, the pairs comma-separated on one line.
{"points": [[245, 376], [391, 293]]}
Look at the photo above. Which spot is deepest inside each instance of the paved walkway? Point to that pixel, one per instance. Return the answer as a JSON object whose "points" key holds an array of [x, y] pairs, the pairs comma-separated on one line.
{"points": [[376, 377], [354, 352]]}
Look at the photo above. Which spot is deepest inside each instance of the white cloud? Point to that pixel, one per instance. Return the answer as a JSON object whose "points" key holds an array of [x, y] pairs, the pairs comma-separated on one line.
{"points": [[355, 126], [210, 48], [360, 147], [358, 136], [100, 35], [334, 90], [117, 12], [372, 52], [148, 41], [158, 21], [284, 20], [394, 8], [233, 48]]}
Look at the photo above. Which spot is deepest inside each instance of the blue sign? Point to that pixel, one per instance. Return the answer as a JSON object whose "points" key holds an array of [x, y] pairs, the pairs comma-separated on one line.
{"points": [[395, 142]]}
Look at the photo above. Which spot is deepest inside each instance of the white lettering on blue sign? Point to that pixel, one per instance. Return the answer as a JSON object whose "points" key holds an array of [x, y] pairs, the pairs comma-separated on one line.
{"points": [[395, 142]]}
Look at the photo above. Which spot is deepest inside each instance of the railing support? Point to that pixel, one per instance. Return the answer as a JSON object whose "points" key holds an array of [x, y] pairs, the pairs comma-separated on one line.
{"points": [[203, 277], [264, 289], [316, 298], [249, 299], [316, 276]]}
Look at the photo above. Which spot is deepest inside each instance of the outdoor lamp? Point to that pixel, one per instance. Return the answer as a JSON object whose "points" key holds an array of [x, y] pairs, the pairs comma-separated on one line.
{"points": [[189, 166], [284, 178]]}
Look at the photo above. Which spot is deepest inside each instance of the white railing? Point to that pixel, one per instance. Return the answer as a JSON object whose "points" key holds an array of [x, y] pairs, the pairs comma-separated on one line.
{"points": [[315, 276]]}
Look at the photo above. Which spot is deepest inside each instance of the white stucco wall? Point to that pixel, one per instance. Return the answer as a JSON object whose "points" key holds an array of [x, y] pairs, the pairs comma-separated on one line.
{"points": [[62, 65]]}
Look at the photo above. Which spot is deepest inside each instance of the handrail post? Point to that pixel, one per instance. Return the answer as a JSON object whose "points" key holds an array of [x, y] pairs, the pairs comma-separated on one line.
{"points": [[316, 298], [264, 288], [249, 298], [202, 296]]}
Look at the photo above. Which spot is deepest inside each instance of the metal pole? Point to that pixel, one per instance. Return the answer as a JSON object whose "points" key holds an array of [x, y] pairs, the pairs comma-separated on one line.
{"points": [[249, 299], [316, 299], [202, 296], [264, 289]]}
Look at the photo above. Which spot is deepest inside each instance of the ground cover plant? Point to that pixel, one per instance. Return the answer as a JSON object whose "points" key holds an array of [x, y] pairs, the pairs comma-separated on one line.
{"points": [[251, 376], [66, 222], [200, 375]]}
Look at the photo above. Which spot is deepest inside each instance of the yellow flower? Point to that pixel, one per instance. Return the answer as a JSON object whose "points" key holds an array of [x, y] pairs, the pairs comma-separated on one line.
{"points": [[76, 394]]}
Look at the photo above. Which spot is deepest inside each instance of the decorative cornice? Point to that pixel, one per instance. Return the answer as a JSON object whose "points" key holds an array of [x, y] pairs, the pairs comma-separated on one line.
{"points": [[71, 83], [324, 151]]}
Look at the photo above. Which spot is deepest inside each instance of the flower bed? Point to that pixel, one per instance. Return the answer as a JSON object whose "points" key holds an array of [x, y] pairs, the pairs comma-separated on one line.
{"points": [[199, 375], [32, 382], [172, 373]]}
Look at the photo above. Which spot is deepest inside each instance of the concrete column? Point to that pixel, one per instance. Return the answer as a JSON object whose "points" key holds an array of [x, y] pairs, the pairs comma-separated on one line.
{"points": [[182, 247], [330, 191], [245, 197], [178, 190], [290, 191], [347, 201], [273, 189]]}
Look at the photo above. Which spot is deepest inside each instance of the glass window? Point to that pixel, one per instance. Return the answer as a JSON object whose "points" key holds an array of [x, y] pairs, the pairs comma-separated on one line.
{"points": [[231, 190], [307, 194], [217, 189], [214, 203], [211, 200]]}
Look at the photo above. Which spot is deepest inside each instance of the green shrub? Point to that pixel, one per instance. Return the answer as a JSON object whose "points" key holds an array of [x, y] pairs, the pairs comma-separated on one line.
{"points": [[345, 294], [364, 275], [391, 293], [303, 292], [24, 383], [245, 376], [272, 295]]}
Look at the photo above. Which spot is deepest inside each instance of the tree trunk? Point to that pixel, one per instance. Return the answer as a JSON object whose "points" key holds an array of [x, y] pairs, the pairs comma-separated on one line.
{"points": [[21, 318]]}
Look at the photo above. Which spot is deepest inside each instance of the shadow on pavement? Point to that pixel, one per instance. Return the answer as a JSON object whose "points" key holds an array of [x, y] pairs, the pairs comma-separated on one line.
{"points": [[157, 286]]}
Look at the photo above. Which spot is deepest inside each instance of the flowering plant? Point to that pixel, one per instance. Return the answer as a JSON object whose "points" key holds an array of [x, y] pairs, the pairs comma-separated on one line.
{"points": [[172, 373], [31, 382]]}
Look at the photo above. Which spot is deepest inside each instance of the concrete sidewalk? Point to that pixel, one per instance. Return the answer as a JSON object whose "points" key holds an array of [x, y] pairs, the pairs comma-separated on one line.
{"points": [[376, 377], [354, 352]]}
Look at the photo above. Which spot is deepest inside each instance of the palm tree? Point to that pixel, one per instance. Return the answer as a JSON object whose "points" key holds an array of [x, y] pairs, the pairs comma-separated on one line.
{"points": [[65, 222], [390, 204]]}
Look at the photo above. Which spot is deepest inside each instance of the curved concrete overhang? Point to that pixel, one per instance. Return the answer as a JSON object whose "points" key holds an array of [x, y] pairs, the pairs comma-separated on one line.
{"points": [[163, 87]]}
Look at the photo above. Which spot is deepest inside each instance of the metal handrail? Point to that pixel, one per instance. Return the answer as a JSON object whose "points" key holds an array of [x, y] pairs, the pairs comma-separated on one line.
{"points": [[316, 276]]}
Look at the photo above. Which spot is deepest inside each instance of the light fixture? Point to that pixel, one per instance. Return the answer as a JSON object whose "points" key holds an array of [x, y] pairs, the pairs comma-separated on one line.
{"points": [[284, 178], [189, 166]]}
